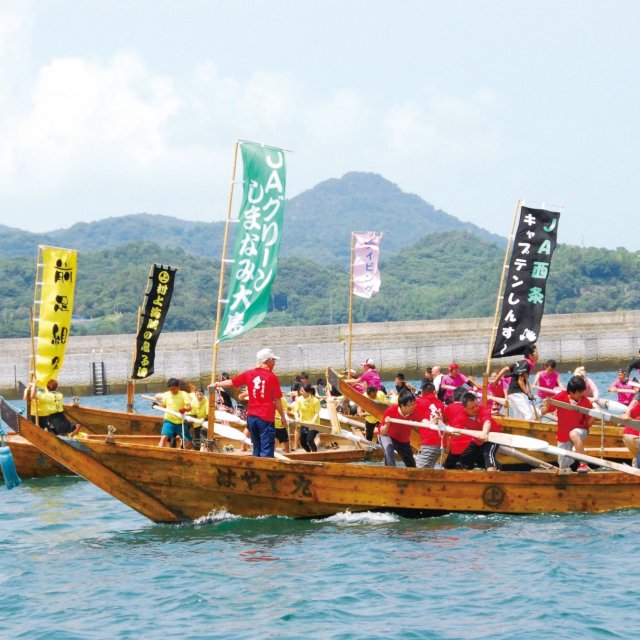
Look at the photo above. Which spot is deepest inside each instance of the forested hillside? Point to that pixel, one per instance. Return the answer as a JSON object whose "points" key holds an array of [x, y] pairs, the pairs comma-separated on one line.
{"points": [[317, 224], [443, 275]]}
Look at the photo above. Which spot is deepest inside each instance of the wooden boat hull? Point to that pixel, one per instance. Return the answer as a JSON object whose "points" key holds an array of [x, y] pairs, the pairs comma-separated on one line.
{"points": [[170, 485], [30, 462], [605, 441], [96, 420]]}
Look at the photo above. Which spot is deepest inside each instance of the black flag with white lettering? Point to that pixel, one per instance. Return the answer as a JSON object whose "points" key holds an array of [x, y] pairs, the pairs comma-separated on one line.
{"points": [[525, 289], [156, 306]]}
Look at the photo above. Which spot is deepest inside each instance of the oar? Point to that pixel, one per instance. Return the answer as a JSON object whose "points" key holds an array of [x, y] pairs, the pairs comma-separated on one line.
{"points": [[539, 388], [525, 442], [225, 416], [182, 416], [152, 398], [534, 462], [7, 466], [341, 432], [596, 413], [324, 414], [612, 405]]}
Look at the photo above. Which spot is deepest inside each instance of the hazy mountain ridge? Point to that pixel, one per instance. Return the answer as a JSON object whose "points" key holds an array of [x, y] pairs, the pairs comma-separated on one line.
{"points": [[317, 222]]}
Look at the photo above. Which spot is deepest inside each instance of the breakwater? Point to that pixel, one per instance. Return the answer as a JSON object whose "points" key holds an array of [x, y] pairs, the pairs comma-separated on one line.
{"points": [[596, 340]]}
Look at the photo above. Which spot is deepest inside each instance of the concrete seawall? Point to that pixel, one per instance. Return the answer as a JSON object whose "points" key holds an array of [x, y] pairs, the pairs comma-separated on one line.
{"points": [[597, 340]]}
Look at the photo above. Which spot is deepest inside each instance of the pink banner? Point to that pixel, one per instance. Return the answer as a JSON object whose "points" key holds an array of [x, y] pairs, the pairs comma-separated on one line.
{"points": [[366, 276]]}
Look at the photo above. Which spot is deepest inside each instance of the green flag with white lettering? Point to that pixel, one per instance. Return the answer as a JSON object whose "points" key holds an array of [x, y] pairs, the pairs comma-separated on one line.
{"points": [[255, 261]]}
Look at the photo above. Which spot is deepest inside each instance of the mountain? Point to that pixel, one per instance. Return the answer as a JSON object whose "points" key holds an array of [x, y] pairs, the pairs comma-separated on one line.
{"points": [[363, 202], [317, 224]]}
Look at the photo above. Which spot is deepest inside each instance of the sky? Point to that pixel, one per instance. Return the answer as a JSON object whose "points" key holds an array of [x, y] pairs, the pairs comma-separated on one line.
{"points": [[113, 107]]}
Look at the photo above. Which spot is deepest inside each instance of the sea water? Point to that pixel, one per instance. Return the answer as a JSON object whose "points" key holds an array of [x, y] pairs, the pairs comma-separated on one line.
{"points": [[76, 563]]}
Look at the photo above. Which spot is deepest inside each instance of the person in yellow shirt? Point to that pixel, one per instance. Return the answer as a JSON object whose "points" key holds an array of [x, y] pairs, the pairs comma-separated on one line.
{"points": [[47, 405], [199, 409], [370, 423], [282, 433], [175, 401], [307, 409]]}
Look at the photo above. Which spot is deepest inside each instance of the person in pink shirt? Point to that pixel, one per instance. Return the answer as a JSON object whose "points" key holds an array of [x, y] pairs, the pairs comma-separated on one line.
{"points": [[622, 387], [496, 389], [369, 378], [454, 378], [547, 381]]}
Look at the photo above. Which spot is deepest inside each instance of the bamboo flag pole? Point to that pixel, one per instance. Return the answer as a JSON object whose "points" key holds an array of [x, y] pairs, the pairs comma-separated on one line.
{"points": [[350, 306], [131, 384], [507, 254], [223, 259], [33, 383]]}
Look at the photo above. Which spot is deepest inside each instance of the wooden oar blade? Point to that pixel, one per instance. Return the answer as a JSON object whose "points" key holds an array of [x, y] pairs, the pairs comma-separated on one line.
{"points": [[518, 442]]}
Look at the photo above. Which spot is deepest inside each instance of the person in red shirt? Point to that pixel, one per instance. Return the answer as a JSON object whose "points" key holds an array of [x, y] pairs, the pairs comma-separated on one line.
{"points": [[431, 440], [453, 414], [265, 398], [630, 435], [572, 426], [479, 450], [395, 437]]}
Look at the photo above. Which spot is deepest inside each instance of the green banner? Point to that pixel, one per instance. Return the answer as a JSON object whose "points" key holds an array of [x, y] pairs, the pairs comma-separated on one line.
{"points": [[255, 261]]}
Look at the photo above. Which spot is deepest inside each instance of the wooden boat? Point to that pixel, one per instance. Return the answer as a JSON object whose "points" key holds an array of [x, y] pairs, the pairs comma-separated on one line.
{"points": [[604, 440], [172, 485], [96, 420], [32, 463]]}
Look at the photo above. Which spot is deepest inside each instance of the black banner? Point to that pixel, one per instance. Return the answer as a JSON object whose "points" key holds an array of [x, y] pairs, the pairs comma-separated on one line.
{"points": [[525, 288], [156, 306]]}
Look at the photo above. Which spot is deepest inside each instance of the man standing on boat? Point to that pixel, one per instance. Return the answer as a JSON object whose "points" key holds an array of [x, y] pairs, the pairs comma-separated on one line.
{"points": [[521, 401], [265, 398], [177, 403]]}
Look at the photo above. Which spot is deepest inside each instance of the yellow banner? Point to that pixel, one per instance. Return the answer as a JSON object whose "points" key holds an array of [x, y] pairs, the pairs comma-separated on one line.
{"points": [[58, 281]]}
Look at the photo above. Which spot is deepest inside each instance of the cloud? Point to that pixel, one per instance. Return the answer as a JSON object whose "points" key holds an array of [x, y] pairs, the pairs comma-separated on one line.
{"points": [[109, 136], [86, 112], [445, 128]]}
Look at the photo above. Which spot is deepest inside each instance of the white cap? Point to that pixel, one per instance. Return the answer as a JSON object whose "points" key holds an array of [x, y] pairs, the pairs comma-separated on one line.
{"points": [[368, 361], [265, 354]]}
